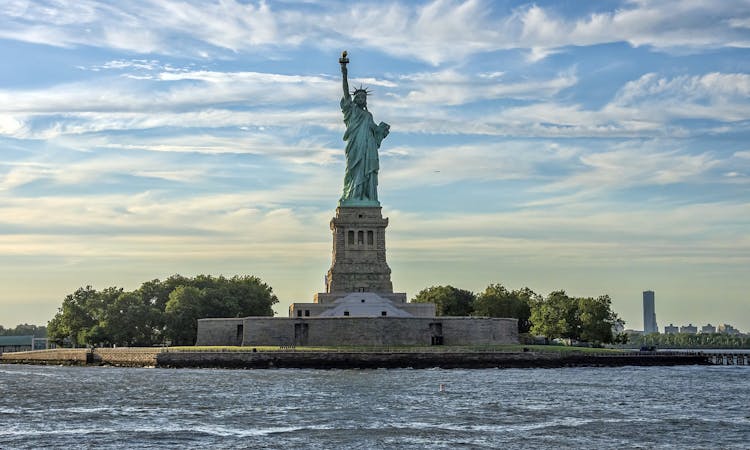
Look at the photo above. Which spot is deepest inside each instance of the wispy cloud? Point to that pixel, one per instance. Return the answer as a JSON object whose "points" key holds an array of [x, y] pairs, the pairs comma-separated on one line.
{"points": [[435, 31], [663, 25], [451, 87], [651, 105]]}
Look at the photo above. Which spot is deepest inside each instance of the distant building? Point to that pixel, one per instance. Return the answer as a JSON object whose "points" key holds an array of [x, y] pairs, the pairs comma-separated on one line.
{"points": [[689, 329], [728, 329], [16, 343], [671, 329], [708, 329], [649, 313], [22, 343], [633, 332]]}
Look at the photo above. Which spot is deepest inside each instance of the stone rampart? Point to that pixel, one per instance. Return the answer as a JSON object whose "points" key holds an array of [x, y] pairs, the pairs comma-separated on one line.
{"points": [[126, 356], [220, 331], [359, 331], [131, 357], [53, 356], [478, 330]]}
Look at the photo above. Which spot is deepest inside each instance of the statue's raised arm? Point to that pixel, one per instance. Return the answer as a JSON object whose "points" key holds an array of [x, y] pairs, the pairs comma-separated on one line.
{"points": [[363, 138], [344, 74]]}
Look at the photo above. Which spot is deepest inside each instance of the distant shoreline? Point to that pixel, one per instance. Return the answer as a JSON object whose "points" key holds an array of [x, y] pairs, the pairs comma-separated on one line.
{"points": [[248, 359]]}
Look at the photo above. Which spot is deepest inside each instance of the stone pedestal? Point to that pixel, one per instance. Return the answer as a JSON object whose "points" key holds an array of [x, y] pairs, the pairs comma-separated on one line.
{"points": [[358, 257]]}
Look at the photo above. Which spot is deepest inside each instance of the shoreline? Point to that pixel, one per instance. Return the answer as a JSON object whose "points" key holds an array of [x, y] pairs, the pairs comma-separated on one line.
{"points": [[414, 360], [248, 359]]}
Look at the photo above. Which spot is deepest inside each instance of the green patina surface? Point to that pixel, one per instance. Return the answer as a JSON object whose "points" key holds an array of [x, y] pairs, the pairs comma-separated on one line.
{"points": [[354, 203], [363, 138]]}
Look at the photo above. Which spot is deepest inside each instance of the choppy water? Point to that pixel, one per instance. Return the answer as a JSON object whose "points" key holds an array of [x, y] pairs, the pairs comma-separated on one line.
{"points": [[105, 407]]}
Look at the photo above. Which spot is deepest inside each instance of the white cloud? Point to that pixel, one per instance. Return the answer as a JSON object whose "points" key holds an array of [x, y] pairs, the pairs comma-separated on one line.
{"points": [[436, 31], [649, 106], [629, 167], [652, 106], [713, 88], [434, 166], [210, 88], [11, 125], [96, 169], [662, 24], [652, 225], [120, 64], [451, 87], [162, 26], [149, 223], [740, 23]]}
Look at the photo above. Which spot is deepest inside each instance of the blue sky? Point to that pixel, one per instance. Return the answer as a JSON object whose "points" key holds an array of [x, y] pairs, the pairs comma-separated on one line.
{"points": [[597, 147]]}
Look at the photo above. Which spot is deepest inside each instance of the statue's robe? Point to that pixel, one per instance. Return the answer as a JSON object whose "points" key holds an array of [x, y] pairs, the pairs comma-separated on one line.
{"points": [[363, 139]]}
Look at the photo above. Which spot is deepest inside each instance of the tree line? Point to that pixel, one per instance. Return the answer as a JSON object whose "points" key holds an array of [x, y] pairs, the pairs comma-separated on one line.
{"points": [[557, 315], [166, 312], [24, 329], [158, 312]]}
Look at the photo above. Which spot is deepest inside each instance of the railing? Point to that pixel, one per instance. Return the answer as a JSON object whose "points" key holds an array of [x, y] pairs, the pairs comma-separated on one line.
{"points": [[729, 359]]}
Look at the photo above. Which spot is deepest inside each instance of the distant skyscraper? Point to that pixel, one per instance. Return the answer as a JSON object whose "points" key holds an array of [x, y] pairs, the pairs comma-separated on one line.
{"points": [[649, 313]]}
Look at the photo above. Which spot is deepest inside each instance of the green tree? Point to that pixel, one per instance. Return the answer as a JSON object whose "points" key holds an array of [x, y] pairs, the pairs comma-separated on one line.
{"points": [[597, 320], [156, 292], [208, 296], [79, 312], [582, 319], [449, 301], [549, 317], [235, 297], [184, 308], [144, 317], [128, 321], [497, 301], [25, 329]]}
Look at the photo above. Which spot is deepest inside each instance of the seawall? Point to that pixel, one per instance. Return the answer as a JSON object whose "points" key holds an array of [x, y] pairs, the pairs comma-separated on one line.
{"points": [[125, 357], [159, 357], [65, 356], [415, 360]]}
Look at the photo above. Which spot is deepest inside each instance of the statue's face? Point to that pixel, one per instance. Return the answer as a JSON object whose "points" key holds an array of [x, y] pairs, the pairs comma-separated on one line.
{"points": [[360, 99]]}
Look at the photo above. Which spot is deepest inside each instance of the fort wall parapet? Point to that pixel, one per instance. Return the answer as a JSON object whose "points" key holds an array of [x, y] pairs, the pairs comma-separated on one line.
{"points": [[337, 331]]}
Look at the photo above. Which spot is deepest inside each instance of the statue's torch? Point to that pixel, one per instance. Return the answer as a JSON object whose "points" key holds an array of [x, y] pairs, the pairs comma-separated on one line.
{"points": [[343, 60]]}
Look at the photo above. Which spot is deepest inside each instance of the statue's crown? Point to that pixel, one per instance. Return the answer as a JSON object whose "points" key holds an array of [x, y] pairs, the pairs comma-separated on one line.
{"points": [[364, 90]]}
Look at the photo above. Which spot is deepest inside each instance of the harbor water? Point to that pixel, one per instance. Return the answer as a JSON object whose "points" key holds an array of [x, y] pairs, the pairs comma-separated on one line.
{"points": [[626, 407]]}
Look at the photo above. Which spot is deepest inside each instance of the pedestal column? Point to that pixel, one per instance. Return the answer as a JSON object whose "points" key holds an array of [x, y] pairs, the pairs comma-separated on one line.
{"points": [[358, 257]]}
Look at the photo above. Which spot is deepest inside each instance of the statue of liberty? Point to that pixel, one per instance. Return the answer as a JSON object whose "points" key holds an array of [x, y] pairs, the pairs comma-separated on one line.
{"points": [[363, 139]]}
